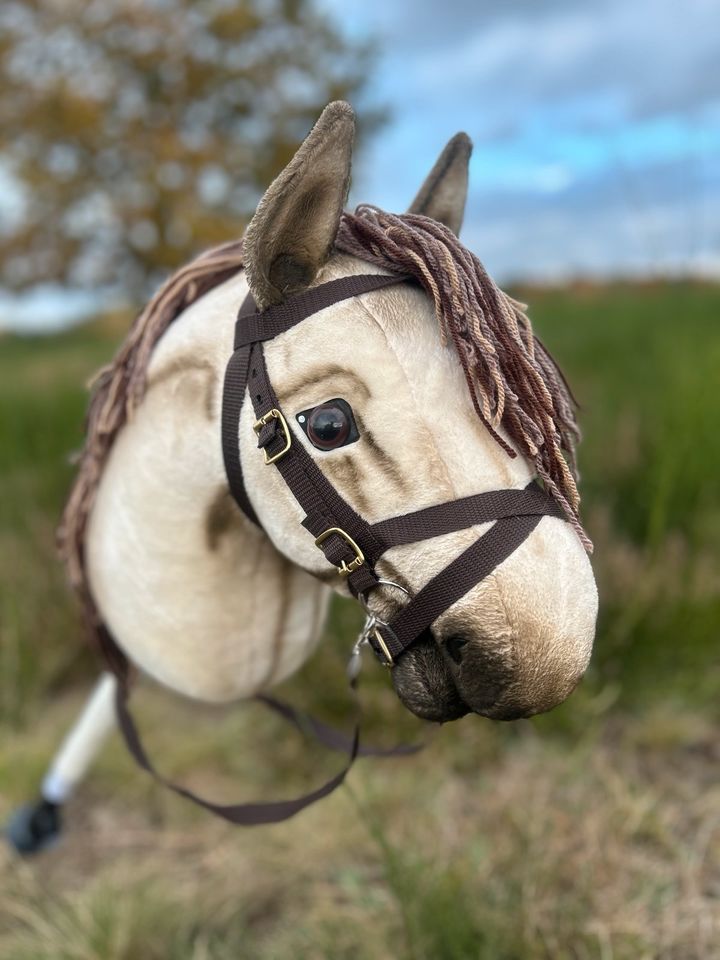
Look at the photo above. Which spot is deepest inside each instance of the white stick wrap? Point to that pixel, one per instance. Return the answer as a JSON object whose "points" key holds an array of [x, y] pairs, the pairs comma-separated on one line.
{"points": [[83, 743]]}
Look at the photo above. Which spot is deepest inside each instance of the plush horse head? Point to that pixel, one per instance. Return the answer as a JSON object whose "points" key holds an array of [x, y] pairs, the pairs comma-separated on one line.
{"points": [[407, 397]]}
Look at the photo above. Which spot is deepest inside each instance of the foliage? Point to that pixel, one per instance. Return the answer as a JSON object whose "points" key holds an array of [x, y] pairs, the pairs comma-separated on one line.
{"points": [[141, 132]]}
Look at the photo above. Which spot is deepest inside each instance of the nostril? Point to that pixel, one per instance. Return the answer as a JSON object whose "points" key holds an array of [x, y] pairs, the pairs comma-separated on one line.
{"points": [[454, 646]]}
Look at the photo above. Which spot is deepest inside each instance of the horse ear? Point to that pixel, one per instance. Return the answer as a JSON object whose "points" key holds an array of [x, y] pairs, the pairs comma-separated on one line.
{"points": [[444, 193], [294, 227]]}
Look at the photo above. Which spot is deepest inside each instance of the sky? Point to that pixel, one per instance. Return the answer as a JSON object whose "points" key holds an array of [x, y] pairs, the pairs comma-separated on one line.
{"points": [[596, 127], [596, 130]]}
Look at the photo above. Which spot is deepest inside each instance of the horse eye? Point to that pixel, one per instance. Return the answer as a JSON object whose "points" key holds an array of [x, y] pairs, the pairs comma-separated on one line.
{"points": [[329, 425]]}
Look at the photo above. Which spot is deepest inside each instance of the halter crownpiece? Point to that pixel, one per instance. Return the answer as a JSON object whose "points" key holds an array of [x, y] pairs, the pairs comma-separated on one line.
{"points": [[348, 541]]}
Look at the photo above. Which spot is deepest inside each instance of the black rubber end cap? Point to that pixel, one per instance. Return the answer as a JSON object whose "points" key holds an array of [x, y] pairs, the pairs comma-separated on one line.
{"points": [[34, 827]]}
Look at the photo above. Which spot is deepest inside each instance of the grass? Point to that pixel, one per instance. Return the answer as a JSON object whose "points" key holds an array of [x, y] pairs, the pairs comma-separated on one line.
{"points": [[479, 848], [592, 832], [644, 362]]}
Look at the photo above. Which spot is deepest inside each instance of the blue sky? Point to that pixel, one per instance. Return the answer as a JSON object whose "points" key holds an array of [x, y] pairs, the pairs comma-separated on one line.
{"points": [[596, 128]]}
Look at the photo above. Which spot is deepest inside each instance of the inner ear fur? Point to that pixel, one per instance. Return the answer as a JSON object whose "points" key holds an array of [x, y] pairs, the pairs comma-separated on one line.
{"points": [[444, 193], [293, 230]]}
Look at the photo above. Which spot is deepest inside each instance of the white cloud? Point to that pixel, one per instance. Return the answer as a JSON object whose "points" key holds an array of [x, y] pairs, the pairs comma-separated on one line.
{"points": [[596, 125]]}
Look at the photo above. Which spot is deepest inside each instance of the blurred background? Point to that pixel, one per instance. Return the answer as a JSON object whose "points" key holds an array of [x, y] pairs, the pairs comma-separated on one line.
{"points": [[134, 134]]}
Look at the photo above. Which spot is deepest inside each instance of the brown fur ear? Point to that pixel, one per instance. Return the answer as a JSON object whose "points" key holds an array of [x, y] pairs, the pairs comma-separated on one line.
{"points": [[294, 227], [442, 197]]}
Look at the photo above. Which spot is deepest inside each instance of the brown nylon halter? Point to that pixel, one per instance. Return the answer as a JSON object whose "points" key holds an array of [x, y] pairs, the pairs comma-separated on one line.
{"points": [[347, 540]]}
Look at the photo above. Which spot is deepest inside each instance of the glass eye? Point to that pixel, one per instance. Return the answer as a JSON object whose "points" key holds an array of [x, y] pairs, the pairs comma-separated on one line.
{"points": [[329, 425]]}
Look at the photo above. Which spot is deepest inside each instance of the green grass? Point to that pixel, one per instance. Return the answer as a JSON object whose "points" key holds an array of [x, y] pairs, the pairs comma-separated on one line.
{"points": [[587, 834], [42, 404], [644, 362]]}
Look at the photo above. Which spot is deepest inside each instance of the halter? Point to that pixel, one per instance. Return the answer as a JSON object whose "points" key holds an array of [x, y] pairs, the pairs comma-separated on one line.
{"points": [[348, 541]]}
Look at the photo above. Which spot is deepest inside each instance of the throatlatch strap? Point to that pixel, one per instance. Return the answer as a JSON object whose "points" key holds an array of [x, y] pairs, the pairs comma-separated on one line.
{"points": [[236, 377]]}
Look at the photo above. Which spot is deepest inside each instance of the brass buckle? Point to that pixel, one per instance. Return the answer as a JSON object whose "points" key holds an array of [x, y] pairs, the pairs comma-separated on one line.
{"points": [[274, 414], [345, 569]]}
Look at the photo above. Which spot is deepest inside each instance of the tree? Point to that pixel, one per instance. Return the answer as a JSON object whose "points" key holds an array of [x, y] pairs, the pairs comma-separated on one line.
{"points": [[137, 132]]}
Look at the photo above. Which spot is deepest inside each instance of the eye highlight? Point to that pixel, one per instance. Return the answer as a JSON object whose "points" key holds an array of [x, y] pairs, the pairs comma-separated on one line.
{"points": [[329, 425]]}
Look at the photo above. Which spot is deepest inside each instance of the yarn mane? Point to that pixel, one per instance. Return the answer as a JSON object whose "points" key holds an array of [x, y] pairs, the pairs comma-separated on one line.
{"points": [[513, 380], [117, 391]]}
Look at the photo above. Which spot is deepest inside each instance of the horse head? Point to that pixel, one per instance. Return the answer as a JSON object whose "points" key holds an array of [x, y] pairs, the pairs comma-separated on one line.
{"points": [[416, 395]]}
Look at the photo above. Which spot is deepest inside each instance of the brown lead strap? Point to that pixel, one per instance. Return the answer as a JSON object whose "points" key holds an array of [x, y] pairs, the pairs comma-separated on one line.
{"points": [[266, 811], [240, 814]]}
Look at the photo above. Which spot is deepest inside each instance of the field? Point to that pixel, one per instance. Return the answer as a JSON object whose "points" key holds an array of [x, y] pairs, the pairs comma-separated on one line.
{"points": [[592, 832]]}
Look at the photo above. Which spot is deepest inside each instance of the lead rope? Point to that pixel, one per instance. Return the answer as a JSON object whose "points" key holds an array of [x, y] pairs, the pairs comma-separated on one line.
{"points": [[272, 811]]}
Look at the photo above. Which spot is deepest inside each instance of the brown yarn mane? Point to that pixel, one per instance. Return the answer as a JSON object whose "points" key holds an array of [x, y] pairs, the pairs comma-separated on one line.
{"points": [[117, 391], [513, 381]]}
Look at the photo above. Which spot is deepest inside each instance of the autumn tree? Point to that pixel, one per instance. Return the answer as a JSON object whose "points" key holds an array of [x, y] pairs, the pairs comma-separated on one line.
{"points": [[136, 132]]}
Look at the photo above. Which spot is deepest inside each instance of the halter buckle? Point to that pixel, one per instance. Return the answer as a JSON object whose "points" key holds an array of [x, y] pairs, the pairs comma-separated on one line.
{"points": [[345, 569], [274, 414]]}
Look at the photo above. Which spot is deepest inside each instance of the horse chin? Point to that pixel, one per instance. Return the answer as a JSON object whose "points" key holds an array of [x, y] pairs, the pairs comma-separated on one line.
{"points": [[424, 683]]}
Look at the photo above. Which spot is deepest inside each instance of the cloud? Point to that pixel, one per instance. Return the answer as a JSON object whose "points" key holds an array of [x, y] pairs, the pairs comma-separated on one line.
{"points": [[573, 108], [596, 129], [667, 221], [656, 54]]}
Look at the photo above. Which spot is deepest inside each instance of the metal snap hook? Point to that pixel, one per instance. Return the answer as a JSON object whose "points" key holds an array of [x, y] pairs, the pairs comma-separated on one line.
{"points": [[385, 583]]}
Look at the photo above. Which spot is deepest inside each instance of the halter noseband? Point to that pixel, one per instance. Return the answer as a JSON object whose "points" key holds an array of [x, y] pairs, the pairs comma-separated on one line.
{"points": [[348, 541]]}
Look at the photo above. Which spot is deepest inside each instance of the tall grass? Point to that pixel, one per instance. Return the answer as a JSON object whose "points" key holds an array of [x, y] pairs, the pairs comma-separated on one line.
{"points": [[645, 362]]}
